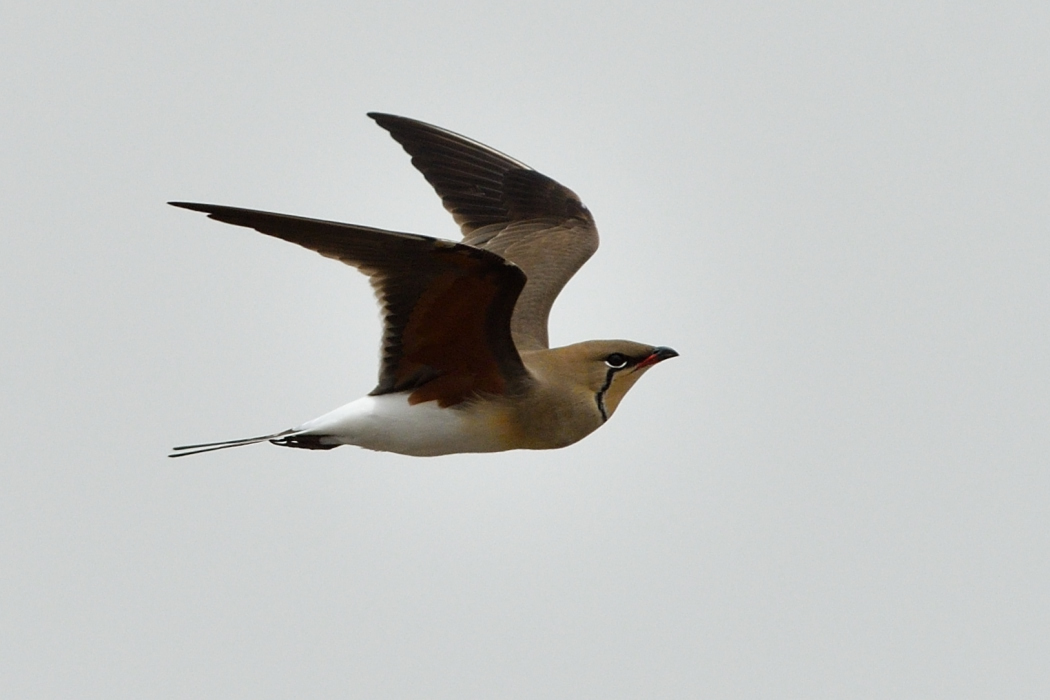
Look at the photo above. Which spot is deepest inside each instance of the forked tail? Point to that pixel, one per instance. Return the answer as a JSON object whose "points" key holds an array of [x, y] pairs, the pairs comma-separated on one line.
{"points": [[185, 450], [285, 438]]}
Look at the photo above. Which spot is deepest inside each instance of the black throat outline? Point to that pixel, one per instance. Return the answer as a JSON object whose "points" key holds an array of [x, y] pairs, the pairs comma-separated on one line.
{"points": [[600, 396]]}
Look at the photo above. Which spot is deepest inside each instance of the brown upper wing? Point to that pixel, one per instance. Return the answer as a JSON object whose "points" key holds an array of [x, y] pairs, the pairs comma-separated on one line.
{"points": [[506, 207], [446, 306]]}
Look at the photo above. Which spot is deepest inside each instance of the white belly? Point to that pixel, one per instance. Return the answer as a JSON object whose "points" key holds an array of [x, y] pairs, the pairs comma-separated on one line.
{"points": [[388, 423]]}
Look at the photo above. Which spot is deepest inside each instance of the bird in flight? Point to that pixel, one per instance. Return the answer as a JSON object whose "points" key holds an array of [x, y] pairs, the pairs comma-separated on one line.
{"points": [[465, 362]]}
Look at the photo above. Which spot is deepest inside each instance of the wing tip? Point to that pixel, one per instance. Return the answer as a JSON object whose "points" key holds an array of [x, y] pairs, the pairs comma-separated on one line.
{"points": [[193, 206], [386, 120]]}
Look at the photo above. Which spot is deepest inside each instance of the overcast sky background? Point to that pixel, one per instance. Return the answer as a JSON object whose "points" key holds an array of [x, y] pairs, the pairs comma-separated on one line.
{"points": [[837, 214]]}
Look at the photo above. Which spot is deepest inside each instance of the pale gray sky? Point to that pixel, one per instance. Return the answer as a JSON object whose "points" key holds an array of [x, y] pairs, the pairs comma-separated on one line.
{"points": [[837, 214]]}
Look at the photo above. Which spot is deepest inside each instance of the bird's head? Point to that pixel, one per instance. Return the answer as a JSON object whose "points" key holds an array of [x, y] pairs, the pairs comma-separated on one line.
{"points": [[609, 368]]}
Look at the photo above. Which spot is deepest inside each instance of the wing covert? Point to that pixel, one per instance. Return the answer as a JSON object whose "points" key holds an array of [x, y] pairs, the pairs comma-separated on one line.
{"points": [[504, 206]]}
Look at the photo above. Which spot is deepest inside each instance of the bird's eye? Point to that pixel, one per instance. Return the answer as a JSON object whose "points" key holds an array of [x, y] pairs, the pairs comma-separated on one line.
{"points": [[616, 361]]}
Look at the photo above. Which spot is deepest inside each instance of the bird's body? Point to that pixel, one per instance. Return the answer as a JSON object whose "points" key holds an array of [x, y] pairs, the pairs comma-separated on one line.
{"points": [[389, 423], [465, 362]]}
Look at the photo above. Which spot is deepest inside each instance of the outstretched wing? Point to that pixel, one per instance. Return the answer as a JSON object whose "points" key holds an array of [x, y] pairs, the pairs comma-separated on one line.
{"points": [[446, 306], [504, 206]]}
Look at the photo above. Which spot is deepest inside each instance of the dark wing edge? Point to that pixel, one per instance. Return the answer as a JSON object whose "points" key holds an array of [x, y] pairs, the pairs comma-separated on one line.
{"points": [[446, 306], [477, 184]]}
